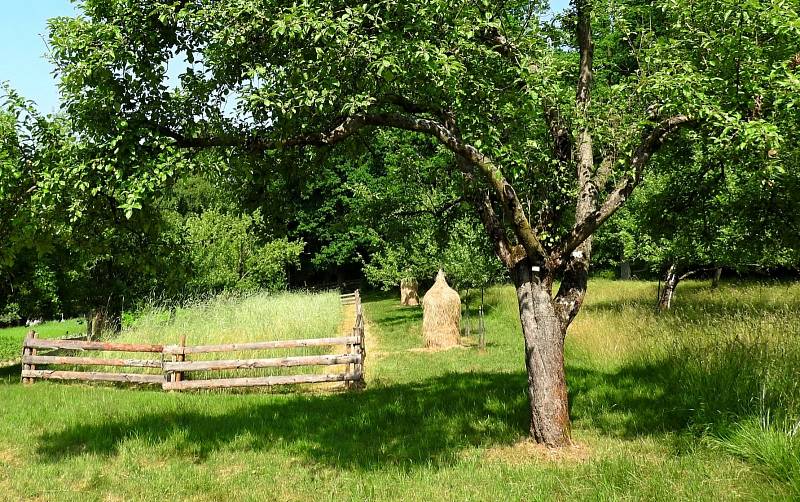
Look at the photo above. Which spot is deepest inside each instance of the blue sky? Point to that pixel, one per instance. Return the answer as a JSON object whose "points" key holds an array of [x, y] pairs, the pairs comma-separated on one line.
{"points": [[23, 30], [23, 47]]}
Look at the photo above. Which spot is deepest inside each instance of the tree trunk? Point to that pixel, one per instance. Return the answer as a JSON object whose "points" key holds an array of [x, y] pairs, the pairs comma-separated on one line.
{"points": [[625, 271], [544, 358], [96, 324], [467, 324], [481, 326], [670, 283], [716, 277], [409, 294]]}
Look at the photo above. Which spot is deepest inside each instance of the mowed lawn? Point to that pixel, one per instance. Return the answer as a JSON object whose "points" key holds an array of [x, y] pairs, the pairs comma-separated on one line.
{"points": [[698, 403]]}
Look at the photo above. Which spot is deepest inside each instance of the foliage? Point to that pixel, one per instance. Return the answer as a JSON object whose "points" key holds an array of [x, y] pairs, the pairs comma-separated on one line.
{"points": [[742, 219], [492, 68], [225, 253], [468, 259]]}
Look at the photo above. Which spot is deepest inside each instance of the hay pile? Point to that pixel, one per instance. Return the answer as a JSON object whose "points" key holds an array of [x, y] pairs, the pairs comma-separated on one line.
{"points": [[408, 292], [441, 314]]}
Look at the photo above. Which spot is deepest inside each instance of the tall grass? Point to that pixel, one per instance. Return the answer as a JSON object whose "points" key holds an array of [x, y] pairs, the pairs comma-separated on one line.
{"points": [[724, 362], [694, 404], [237, 318], [230, 318], [774, 447]]}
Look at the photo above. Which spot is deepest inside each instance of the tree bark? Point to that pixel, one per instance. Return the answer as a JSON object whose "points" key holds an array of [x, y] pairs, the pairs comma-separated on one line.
{"points": [[671, 281], [96, 324], [481, 326], [625, 271], [467, 323], [716, 277], [409, 292], [544, 358]]}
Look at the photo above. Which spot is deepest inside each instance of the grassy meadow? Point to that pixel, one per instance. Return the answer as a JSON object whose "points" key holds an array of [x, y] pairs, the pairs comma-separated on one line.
{"points": [[239, 318], [11, 338], [698, 403]]}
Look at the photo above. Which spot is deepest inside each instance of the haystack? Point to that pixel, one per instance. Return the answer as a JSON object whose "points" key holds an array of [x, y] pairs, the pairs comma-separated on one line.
{"points": [[408, 292], [441, 314]]}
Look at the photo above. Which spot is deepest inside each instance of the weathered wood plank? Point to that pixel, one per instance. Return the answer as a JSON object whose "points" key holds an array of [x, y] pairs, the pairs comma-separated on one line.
{"points": [[90, 376], [277, 362], [91, 361], [276, 344], [84, 345], [226, 383], [27, 351]]}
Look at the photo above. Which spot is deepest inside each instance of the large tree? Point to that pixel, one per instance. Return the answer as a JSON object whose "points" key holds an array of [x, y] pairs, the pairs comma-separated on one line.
{"points": [[550, 137]]}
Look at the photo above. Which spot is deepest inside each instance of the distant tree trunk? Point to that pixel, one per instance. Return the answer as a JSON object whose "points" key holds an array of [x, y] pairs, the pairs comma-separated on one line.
{"points": [[96, 323], [544, 357], [409, 294], [467, 324], [716, 277], [625, 271], [671, 280], [481, 326]]}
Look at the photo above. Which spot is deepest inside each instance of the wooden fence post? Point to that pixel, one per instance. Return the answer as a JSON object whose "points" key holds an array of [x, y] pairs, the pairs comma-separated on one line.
{"points": [[33, 353], [177, 376], [181, 358], [350, 368], [27, 351], [358, 332]]}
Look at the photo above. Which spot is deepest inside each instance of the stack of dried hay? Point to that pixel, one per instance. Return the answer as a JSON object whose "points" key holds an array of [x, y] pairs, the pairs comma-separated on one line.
{"points": [[408, 292], [441, 314]]}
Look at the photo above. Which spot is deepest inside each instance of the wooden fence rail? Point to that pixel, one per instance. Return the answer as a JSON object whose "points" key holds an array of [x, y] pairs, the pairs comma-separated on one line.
{"points": [[172, 375]]}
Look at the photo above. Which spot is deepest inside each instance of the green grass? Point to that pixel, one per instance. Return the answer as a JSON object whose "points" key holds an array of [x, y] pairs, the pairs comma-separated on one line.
{"points": [[11, 338], [239, 318], [694, 404]]}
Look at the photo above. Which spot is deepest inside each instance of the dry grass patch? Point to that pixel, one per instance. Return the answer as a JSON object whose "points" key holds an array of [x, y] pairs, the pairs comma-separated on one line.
{"points": [[10, 458], [527, 451]]}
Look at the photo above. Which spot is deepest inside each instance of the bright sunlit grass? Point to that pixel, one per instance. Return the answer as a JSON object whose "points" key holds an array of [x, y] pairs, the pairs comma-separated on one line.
{"points": [[11, 338], [239, 318]]}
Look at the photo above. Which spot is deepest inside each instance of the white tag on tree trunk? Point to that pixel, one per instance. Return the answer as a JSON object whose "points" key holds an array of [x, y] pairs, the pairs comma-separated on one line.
{"points": [[535, 268]]}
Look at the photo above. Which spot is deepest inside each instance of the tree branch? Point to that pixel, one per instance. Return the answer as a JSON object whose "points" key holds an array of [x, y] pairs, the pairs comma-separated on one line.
{"points": [[350, 125], [616, 199], [562, 139], [437, 212], [508, 254]]}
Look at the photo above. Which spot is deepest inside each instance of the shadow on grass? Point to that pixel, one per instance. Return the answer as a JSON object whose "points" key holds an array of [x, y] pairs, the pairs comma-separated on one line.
{"points": [[697, 388], [401, 316], [402, 425], [10, 374], [430, 422], [633, 401]]}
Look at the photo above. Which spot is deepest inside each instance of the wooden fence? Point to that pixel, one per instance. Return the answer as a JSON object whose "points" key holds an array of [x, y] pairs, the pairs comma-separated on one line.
{"points": [[176, 368]]}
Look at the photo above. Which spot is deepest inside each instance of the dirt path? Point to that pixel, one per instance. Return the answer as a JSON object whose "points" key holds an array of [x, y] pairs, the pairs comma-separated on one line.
{"points": [[346, 329]]}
